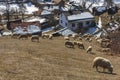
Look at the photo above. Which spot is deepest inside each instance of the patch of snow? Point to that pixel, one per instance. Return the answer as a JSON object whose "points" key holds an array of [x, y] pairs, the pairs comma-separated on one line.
{"points": [[33, 19], [30, 9], [7, 33], [30, 29]]}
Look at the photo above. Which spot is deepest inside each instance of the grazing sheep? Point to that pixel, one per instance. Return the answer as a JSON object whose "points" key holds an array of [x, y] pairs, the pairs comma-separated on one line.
{"points": [[80, 38], [75, 36], [23, 36], [108, 45], [45, 36], [14, 36], [69, 44], [69, 35], [35, 38], [80, 45], [99, 41], [85, 35], [50, 36], [105, 49], [75, 42], [96, 38], [89, 49], [90, 40], [66, 38], [102, 62], [87, 38]]}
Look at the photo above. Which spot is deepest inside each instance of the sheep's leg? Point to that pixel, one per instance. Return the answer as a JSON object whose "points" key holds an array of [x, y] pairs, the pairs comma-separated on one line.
{"points": [[103, 69], [97, 68], [83, 47]]}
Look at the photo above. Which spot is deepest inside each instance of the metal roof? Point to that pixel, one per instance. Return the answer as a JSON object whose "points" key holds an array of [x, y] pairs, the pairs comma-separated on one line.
{"points": [[80, 16]]}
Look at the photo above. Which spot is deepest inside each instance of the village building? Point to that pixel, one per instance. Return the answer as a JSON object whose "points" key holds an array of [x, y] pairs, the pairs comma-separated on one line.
{"points": [[76, 21], [26, 27]]}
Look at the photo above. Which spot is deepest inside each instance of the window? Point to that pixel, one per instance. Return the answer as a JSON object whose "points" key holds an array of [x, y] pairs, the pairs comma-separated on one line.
{"points": [[61, 21], [66, 24], [73, 24], [80, 24], [87, 22]]}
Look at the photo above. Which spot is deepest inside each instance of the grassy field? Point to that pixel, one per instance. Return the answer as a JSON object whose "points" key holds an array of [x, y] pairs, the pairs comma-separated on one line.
{"points": [[50, 60]]}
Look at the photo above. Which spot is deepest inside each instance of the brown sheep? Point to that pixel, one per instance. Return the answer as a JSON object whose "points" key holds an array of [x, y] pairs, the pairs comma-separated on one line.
{"points": [[102, 62]]}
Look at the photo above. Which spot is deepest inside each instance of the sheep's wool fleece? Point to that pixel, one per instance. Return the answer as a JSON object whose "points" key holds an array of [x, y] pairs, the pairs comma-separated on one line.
{"points": [[102, 59]]}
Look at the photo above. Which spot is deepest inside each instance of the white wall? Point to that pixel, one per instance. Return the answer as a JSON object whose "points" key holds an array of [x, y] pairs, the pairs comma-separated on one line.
{"points": [[64, 20], [69, 24], [77, 22]]}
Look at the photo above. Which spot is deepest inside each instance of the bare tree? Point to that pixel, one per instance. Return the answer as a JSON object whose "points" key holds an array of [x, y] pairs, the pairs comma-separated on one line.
{"points": [[22, 10], [7, 13]]}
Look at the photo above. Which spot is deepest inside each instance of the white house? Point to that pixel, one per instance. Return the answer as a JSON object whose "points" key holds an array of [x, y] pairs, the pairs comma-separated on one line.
{"points": [[76, 21]]}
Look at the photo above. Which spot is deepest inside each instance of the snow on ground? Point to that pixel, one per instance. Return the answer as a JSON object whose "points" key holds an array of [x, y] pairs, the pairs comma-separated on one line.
{"points": [[32, 19], [30, 29], [29, 8]]}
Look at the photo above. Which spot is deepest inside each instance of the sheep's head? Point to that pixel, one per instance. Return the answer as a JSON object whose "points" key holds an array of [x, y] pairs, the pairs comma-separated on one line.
{"points": [[110, 69]]}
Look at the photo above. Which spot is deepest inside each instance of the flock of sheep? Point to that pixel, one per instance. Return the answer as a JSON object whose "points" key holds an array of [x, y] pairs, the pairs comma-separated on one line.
{"points": [[34, 38], [77, 41], [98, 61]]}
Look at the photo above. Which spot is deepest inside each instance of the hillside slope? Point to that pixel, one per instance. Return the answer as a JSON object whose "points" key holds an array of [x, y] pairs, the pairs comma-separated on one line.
{"points": [[50, 60]]}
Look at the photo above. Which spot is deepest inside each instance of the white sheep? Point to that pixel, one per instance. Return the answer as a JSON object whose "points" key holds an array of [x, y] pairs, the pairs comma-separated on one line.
{"points": [[80, 45], [102, 62], [89, 49], [69, 44], [99, 41], [66, 38], [75, 42], [15, 36], [105, 49], [50, 36], [23, 36], [35, 38], [45, 36], [75, 36]]}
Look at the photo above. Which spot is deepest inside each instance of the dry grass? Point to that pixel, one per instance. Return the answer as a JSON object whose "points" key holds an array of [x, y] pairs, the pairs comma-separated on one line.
{"points": [[50, 60]]}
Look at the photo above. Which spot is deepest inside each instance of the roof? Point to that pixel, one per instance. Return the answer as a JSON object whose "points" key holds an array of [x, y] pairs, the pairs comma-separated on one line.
{"points": [[26, 27], [51, 8], [24, 24], [80, 16], [69, 13], [46, 12]]}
